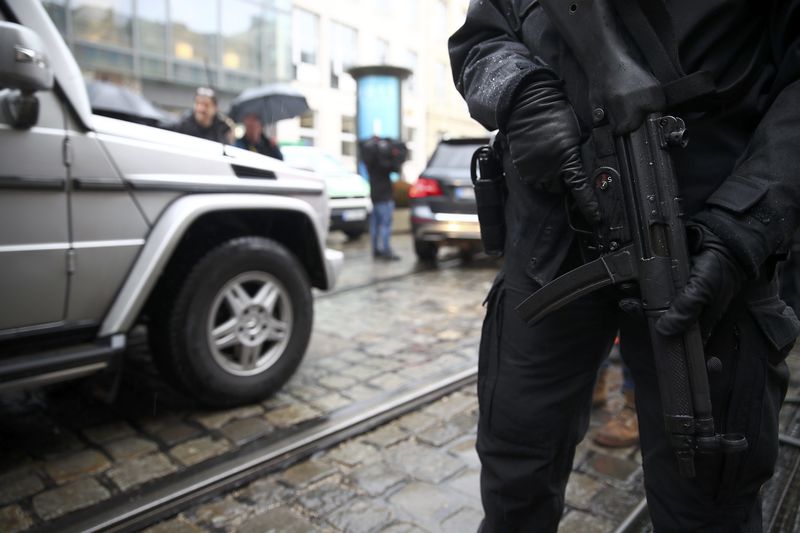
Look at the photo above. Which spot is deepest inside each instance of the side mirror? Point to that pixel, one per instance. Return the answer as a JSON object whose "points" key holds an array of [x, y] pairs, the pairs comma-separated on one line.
{"points": [[24, 69], [23, 63]]}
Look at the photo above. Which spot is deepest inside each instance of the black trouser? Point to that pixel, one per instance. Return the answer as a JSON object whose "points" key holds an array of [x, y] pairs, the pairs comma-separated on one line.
{"points": [[535, 386]]}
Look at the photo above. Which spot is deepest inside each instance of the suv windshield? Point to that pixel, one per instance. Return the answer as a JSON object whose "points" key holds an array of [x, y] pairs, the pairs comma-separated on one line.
{"points": [[453, 155]]}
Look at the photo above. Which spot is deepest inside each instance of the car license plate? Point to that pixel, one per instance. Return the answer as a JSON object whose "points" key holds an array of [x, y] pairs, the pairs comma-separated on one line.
{"points": [[465, 193], [350, 215]]}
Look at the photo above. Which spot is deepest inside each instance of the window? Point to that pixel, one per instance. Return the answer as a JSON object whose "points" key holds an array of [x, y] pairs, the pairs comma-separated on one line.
{"points": [[305, 30], [103, 21], [102, 59], [348, 124], [194, 30], [449, 155], [348, 148], [241, 35], [153, 68], [194, 74], [344, 45], [308, 133], [348, 135], [410, 137], [277, 45], [308, 120], [151, 16]]}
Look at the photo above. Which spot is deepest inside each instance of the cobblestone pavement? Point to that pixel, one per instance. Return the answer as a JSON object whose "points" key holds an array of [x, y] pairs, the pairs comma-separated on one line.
{"points": [[64, 450], [420, 473], [389, 326]]}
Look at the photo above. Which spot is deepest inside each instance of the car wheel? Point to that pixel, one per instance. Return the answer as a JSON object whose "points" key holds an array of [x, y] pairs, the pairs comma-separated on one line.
{"points": [[426, 251], [238, 326]]}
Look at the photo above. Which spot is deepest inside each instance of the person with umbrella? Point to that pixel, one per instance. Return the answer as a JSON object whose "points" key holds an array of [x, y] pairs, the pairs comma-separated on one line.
{"points": [[204, 120], [270, 103], [255, 140]]}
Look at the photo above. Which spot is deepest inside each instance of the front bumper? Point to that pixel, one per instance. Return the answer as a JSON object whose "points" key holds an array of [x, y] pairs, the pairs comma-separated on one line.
{"points": [[334, 260], [350, 213], [437, 227]]}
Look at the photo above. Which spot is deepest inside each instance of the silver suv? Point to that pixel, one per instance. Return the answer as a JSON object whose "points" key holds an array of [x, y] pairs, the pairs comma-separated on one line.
{"points": [[105, 224]]}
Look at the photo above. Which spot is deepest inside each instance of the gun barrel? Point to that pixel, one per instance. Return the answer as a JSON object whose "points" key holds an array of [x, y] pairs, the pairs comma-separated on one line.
{"points": [[661, 238]]}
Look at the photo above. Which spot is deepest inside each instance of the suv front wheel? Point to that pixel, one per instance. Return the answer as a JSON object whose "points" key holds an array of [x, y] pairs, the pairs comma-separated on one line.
{"points": [[239, 324]]}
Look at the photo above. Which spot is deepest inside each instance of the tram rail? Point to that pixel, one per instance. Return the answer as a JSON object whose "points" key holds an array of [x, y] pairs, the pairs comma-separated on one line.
{"points": [[138, 509]]}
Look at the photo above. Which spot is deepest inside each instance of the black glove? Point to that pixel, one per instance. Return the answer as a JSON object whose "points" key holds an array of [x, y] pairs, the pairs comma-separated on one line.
{"points": [[544, 139], [715, 278]]}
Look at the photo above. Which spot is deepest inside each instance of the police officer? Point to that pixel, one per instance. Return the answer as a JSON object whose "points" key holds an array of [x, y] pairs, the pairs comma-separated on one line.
{"points": [[741, 191]]}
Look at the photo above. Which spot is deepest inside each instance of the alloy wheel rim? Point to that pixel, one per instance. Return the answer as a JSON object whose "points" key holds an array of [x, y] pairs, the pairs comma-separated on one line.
{"points": [[250, 323]]}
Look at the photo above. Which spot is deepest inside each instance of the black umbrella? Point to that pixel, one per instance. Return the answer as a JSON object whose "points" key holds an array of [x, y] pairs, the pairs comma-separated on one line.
{"points": [[271, 102], [116, 101]]}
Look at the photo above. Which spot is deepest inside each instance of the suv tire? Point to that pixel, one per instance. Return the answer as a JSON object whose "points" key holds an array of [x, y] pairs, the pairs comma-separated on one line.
{"points": [[238, 325]]}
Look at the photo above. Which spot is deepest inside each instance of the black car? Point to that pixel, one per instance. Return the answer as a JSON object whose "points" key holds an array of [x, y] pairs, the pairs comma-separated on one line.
{"points": [[442, 201]]}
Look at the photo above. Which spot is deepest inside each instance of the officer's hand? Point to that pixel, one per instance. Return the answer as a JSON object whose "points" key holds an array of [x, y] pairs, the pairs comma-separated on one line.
{"points": [[544, 140], [715, 278]]}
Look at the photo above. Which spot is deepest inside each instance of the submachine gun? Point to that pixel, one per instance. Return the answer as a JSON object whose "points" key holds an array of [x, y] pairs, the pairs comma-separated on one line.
{"points": [[641, 240]]}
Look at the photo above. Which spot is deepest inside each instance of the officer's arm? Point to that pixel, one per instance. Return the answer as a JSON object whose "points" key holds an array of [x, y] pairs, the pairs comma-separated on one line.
{"points": [[757, 209], [490, 62]]}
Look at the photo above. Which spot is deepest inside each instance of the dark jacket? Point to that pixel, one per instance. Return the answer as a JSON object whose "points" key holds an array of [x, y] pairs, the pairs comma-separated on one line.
{"points": [[382, 156], [739, 174], [218, 131], [264, 147]]}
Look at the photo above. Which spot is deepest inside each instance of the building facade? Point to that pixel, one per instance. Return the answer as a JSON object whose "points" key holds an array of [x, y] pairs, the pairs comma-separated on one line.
{"points": [[166, 48], [331, 36]]}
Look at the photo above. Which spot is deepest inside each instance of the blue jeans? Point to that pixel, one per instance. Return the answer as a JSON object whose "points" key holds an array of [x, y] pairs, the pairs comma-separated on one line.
{"points": [[380, 226]]}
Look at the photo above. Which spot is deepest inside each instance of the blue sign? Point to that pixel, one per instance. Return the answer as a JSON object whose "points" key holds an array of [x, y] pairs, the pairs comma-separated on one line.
{"points": [[379, 106]]}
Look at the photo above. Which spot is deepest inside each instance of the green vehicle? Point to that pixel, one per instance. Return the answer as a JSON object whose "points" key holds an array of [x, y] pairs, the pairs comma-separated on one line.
{"points": [[350, 203]]}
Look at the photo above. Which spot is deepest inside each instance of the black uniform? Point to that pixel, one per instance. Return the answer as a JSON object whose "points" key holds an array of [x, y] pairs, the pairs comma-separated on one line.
{"points": [[739, 177]]}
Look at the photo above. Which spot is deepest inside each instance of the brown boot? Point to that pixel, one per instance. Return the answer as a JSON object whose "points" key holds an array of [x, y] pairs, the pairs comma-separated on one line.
{"points": [[600, 394], [622, 430]]}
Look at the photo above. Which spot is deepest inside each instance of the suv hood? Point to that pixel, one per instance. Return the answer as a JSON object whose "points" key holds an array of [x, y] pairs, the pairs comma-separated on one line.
{"points": [[198, 157]]}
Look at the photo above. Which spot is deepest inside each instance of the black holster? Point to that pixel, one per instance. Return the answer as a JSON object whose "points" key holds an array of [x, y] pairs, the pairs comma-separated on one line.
{"points": [[490, 194]]}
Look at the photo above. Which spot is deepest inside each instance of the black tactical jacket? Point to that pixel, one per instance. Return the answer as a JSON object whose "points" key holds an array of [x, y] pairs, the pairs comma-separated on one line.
{"points": [[740, 174]]}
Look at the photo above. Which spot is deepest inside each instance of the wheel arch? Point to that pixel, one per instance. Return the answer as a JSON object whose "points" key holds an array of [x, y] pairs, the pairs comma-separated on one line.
{"points": [[194, 224]]}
